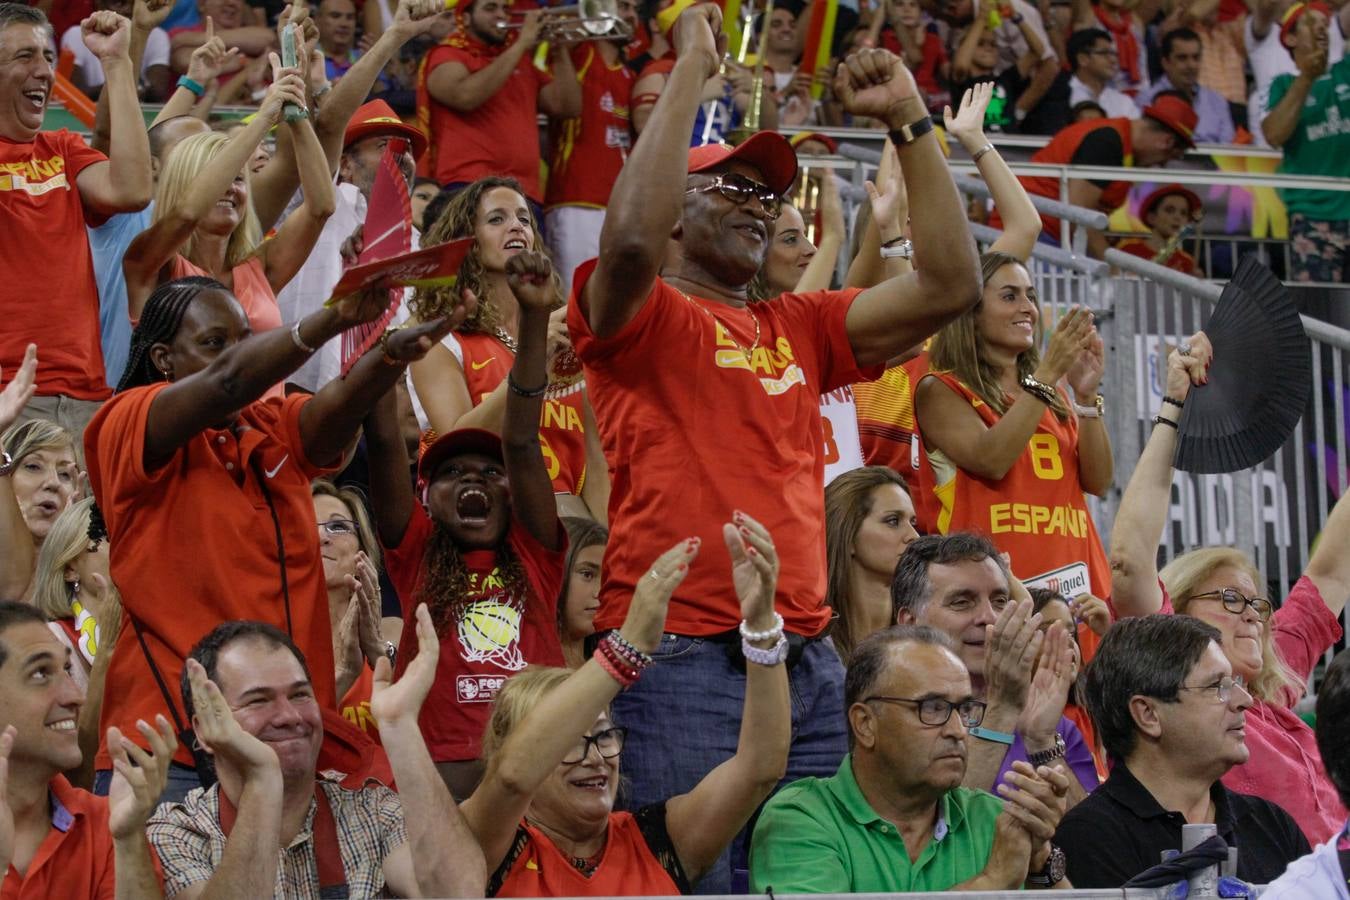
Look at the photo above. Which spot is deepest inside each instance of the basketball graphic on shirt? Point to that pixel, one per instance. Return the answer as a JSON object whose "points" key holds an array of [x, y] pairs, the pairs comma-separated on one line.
{"points": [[489, 632]]}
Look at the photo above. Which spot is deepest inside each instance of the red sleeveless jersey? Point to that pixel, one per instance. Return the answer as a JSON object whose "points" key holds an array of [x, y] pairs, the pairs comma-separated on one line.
{"points": [[627, 869], [589, 150]]}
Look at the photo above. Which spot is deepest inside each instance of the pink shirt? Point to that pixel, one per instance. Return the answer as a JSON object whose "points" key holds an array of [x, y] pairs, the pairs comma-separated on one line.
{"points": [[1284, 765]]}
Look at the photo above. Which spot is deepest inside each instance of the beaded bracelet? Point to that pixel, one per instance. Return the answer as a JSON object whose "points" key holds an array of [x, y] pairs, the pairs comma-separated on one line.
{"points": [[615, 665], [775, 631], [632, 654], [770, 657], [1179, 404], [613, 672]]}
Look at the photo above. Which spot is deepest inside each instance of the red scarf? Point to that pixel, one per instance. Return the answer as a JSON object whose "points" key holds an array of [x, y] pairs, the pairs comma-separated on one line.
{"points": [[1127, 48]]}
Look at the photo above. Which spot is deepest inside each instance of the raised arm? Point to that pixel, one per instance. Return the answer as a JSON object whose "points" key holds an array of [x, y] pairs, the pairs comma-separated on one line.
{"points": [[1021, 222], [648, 195], [441, 857], [146, 16], [1329, 567], [453, 85], [1264, 13], [703, 822], [123, 184], [895, 315], [531, 278], [889, 206], [391, 485], [284, 254], [155, 247], [18, 558], [950, 424], [1280, 123], [1095, 464], [1142, 515], [138, 779], [819, 273], [540, 741], [208, 61], [561, 97], [251, 40]]}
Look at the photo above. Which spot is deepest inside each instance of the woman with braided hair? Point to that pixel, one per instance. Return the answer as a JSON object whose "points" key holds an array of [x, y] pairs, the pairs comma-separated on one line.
{"points": [[205, 488], [462, 382], [485, 549]]}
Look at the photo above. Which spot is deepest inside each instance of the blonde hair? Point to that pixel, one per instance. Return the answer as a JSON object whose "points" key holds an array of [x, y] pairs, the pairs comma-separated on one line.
{"points": [[517, 698], [36, 435], [67, 541], [186, 162], [958, 348], [355, 501], [1183, 576]]}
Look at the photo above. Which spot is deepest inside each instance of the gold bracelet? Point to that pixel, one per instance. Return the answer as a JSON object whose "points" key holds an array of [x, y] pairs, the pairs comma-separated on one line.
{"points": [[384, 346]]}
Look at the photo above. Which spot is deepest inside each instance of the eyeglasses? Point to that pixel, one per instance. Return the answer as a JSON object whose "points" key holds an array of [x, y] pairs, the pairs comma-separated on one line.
{"points": [[1236, 602], [1223, 688], [608, 744], [738, 189], [338, 528], [936, 711]]}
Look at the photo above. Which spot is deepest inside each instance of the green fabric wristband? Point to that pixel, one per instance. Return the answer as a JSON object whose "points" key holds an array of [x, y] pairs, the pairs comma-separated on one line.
{"points": [[988, 734]]}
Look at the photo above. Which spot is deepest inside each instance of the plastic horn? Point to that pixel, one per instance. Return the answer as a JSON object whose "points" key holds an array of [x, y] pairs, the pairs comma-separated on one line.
{"points": [[757, 91], [742, 51], [293, 112]]}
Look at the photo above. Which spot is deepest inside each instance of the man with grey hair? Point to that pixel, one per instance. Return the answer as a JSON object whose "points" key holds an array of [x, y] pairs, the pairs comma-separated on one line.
{"points": [[895, 817], [959, 584]]}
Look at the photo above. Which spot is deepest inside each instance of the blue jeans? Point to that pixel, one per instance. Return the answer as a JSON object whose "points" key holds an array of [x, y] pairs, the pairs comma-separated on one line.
{"points": [[181, 780], [684, 719]]}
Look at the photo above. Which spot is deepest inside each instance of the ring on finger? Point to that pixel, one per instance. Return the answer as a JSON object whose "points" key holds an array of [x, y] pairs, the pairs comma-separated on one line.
{"points": [[1185, 349], [655, 574]]}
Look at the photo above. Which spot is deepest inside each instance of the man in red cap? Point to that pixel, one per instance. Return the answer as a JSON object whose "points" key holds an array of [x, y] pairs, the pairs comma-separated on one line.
{"points": [[1163, 133], [1309, 118], [1167, 211], [709, 406]]}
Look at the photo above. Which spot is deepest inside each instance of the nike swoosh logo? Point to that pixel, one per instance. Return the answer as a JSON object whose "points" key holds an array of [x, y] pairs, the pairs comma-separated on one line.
{"points": [[272, 472], [479, 365]]}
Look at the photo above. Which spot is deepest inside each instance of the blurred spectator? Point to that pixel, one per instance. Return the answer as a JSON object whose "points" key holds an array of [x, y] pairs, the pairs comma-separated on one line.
{"points": [[423, 192], [231, 26], [250, 696], [1320, 874], [1269, 57], [156, 78], [337, 36], [1015, 26], [1093, 60], [895, 816], [1172, 213], [869, 521], [1309, 119], [1171, 713], [1162, 134], [980, 60], [1223, 56], [1085, 111], [580, 595], [958, 584], [38, 479], [1181, 57], [1124, 21], [72, 588], [60, 841], [55, 185], [480, 94], [727, 97], [903, 29], [1053, 607], [589, 149], [791, 87]]}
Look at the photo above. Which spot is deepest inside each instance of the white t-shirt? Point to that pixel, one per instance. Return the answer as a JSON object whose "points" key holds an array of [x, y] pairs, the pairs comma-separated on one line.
{"points": [[1269, 58], [1116, 104], [91, 70]]}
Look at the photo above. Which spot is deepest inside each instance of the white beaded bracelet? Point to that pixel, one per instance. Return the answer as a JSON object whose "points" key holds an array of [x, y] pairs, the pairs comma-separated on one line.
{"points": [[775, 631], [771, 657]]}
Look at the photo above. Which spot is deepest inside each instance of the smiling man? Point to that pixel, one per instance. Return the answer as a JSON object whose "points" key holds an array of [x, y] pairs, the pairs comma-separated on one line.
{"points": [[1170, 714], [52, 185]]}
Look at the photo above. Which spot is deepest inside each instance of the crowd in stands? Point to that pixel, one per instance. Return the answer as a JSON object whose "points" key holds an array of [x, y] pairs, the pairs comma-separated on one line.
{"points": [[308, 591]]}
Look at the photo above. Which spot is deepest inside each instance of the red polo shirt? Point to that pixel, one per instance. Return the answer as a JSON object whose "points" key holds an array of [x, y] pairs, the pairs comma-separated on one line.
{"points": [[75, 859]]}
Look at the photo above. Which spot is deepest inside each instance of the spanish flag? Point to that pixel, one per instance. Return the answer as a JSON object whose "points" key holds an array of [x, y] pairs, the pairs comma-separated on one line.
{"points": [[731, 19], [819, 41]]}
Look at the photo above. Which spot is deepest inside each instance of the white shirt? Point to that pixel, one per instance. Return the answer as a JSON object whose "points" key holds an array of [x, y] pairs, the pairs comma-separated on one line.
{"points": [[1012, 46], [1116, 104], [91, 70]]}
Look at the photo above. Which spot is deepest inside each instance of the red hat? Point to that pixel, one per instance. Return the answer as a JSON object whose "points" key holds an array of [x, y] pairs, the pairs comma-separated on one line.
{"points": [[453, 443], [767, 151], [378, 117], [1295, 12], [1170, 190], [1175, 113]]}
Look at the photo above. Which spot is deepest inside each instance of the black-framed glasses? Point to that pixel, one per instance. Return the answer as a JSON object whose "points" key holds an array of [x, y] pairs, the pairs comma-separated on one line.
{"points": [[738, 189], [608, 744], [1236, 602], [936, 711], [1223, 688], [338, 528]]}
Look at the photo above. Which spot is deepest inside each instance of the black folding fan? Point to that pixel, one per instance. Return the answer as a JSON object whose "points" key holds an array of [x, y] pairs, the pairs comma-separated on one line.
{"points": [[1259, 381]]}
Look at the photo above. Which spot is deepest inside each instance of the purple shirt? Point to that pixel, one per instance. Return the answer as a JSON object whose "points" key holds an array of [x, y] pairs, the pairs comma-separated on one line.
{"points": [[1076, 755], [1215, 125]]}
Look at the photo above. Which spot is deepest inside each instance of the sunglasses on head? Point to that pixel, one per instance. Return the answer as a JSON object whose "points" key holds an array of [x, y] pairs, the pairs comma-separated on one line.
{"points": [[739, 189]]}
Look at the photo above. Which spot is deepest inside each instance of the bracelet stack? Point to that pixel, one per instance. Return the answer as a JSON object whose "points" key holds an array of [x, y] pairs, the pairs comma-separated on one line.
{"points": [[1038, 389], [775, 654], [624, 662]]}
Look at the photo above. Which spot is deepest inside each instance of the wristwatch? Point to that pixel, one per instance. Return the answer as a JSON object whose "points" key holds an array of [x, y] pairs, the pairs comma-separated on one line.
{"points": [[1052, 874], [1045, 757], [6, 464], [900, 249], [1094, 411]]}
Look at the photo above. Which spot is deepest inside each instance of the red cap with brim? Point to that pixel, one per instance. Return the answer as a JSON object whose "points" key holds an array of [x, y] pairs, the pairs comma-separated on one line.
{"points": [[767, 151], [1176, 114], [1170, 190], [461, 440], [378, 117], [1295, 12]]}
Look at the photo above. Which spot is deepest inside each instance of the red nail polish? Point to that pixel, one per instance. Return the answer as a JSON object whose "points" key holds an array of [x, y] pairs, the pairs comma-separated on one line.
{"points": [[752, 551], [682, 567]]}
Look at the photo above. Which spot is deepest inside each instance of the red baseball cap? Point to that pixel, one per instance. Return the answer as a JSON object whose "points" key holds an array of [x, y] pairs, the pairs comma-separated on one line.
{"points": [[1170, 190], [1295, 12], [453, 443], [1176, 114], [378, 117], [767, 151]]}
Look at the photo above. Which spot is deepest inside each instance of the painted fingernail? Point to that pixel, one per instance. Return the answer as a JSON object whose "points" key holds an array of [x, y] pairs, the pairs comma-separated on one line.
{"points": [[752, 551], [744, 530], [683, 567]]}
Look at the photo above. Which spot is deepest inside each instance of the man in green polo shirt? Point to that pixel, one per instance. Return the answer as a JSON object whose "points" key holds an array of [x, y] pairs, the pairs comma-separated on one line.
{"points": [[1309, 117], [895, 817]]}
